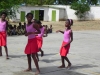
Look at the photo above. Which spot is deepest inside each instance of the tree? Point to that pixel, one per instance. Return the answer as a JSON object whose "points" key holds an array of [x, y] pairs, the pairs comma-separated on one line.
{"points": [[92, 2], [10, 6], [39, 2], [81, 7]]}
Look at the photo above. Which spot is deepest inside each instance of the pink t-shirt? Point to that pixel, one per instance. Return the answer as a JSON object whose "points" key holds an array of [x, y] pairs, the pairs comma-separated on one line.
{"points": [[42, 32], [30, 29], [2, 26], [67, 36]]}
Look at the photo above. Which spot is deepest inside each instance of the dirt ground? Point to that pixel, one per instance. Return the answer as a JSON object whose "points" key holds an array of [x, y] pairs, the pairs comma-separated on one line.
{"points": [[77, 26]]}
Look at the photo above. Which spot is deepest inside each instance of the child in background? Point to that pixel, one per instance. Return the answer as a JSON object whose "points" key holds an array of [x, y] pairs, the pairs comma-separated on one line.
{"points": [[39, 38]]}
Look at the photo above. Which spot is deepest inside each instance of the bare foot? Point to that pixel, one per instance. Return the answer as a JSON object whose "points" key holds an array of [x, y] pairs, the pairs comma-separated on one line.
{"points": [[38, 72], [7, 57], [69, 66], [42, 53], [62, 66], [0, 55], [28, 70]]}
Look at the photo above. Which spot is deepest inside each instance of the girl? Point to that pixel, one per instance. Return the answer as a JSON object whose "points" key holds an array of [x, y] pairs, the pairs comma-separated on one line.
{"points": [[31, 47], [39, 38], [68, 38], [3, 35]]}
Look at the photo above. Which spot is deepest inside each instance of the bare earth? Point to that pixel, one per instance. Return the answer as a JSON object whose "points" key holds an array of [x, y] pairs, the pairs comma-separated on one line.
{"points": [[77, 26]]}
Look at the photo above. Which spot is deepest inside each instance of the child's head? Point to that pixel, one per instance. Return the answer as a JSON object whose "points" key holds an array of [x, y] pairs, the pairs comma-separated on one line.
{"points": [[29, 17], [68, 23], [20, 23], [14, 26], [39, 23], [24, 23], [3, 15], [50, 25]]}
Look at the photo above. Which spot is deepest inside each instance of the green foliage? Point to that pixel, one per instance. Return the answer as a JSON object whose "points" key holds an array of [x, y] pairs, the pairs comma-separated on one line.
{"points": [[81, 7], [39, 2], [10, 6], [66, 2]]}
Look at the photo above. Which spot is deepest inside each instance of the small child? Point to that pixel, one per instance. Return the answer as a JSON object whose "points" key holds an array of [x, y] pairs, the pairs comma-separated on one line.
{"points": [[68, 38], [39, 38]]}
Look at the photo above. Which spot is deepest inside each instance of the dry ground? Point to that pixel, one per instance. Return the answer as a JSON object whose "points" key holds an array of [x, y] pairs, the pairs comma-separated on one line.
{"points": [[77, 26]]}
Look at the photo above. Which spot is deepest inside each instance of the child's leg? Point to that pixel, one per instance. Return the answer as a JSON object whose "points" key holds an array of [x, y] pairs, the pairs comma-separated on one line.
{"points": [[63, 63], [29, 62], [37, 56], [42, 52], [36, 63], [0, 51], [69, 63], [6, 50]]}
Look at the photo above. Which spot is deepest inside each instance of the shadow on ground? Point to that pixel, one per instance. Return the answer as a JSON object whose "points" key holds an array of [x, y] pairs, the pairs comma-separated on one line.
{"points": [[53, 70], [17, 56]]}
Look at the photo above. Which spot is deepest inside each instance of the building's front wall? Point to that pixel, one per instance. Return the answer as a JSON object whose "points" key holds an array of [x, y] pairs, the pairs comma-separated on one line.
{"points": [[62, 12]]}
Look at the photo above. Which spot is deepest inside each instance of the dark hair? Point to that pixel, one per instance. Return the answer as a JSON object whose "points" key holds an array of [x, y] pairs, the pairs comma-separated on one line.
{"points": [[35, 20], [3, 13], [38, 22], [70, 21], [29, 14]]}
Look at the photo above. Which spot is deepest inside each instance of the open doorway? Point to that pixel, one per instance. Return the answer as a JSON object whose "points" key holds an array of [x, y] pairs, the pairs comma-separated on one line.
{"points": [[41, 15]]}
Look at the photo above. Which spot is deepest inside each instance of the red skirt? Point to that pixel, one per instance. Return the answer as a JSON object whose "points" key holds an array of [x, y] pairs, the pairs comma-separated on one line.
{"points": [[3, 38], [64, 50], [31, 46], [39, 41]]}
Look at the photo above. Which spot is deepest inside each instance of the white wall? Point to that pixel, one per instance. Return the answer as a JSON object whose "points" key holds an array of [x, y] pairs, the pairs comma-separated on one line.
{"points": [[29, 9], [93, 14], [62, 13], [50, 14]]}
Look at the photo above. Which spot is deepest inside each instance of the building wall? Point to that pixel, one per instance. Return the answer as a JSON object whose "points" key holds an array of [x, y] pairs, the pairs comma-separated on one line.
{"points": [[50, 14], [93, 14], [62, 12], [29, 9]]}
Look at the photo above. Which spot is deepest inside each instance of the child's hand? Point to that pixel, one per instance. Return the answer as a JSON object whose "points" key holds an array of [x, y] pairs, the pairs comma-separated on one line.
{"points": [[29, 33], [57, 31], [26, 34]]}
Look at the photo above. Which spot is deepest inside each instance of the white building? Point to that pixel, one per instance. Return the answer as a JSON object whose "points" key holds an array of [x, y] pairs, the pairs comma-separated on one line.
{"points": [[44, 13], [55, 13]]}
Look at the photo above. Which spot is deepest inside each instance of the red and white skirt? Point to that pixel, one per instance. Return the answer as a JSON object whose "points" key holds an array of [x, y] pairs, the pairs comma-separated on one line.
{"points": [[3, 38], [31, 46], [64, 50]]}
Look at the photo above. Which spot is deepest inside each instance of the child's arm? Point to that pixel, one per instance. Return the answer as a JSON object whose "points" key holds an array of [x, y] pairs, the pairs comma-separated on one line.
{"points": [[60, 31], [37, 30], [6, 25], [42, 32], [71, 34]]}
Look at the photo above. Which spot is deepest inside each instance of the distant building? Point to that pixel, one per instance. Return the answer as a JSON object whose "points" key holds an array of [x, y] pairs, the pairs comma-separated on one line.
{"points": [[44, 13], [55, 13]]}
